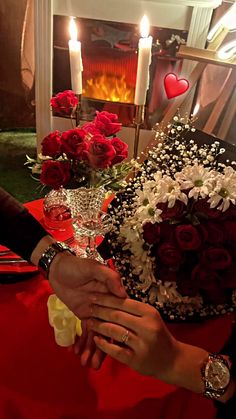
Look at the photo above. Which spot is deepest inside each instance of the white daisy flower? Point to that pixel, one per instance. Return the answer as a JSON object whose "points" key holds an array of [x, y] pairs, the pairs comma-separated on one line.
{"points": [[197, 178], [170, 192], [225, 190]]}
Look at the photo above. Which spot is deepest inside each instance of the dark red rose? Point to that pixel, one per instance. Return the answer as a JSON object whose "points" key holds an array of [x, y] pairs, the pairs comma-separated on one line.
{"points": [[107, 123], [74, 144], [203, 207], [216, 258], [187, 237], [165, 273], [90, 128], [187, 285], [55, 173], [169, 254], [51, 145], [203, 232], [207, 279], [215, 233], [230, 230], [167, 232], [168, 213], [151, 233], [64, 102], [228, 280], [121, 150], [101, 152], [230, 212]]}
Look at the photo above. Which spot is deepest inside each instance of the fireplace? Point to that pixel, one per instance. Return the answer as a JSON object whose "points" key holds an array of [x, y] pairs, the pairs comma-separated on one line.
{"points": [[109, 53], [190, 19]]}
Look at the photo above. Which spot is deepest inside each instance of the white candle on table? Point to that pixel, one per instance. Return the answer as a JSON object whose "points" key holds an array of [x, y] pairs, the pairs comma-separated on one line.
{"points": [[76, 65], [144, 61]]}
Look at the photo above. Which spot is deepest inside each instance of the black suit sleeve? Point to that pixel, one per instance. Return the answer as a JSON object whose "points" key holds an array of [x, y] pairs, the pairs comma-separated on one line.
{"points": [[19, 230]]}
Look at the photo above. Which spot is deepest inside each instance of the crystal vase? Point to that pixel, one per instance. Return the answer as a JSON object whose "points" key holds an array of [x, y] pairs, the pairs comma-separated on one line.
{"points": [[89, 221], [56, 210]]}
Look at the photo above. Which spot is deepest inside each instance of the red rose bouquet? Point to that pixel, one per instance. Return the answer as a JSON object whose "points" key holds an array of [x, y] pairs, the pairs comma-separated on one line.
{"points": [[90, 156], [64, 103], [174, 235]]}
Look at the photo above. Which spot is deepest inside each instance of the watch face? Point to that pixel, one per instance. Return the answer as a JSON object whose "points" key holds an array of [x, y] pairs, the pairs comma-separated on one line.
{"points": [[217, 374]]}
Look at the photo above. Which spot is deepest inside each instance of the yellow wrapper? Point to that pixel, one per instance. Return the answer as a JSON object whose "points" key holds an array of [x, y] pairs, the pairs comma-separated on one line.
{"points": [[65, 324]]}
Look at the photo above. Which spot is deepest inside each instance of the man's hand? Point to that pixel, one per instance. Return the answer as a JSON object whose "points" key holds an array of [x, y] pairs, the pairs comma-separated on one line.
{"points": [[76, 280]]}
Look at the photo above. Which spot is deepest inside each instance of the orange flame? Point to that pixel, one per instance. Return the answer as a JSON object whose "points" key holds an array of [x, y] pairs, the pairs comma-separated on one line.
{"points": [[110, 88]]}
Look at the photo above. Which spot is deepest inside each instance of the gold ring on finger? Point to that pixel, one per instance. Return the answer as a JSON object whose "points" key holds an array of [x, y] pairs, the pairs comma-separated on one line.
{"points": [[125, 337]]}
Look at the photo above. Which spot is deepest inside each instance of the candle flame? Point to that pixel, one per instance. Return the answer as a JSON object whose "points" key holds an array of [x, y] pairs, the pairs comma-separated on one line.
{"points": [[227, 51], [144, 27], [73, 29]]}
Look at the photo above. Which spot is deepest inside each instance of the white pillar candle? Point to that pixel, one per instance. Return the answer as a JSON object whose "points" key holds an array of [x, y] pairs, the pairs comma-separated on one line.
{"points": [[144, 61], [76, 65]]}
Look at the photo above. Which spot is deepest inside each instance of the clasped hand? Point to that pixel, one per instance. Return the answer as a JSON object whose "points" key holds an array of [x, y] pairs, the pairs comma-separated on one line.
{"points": [[130, 332]]}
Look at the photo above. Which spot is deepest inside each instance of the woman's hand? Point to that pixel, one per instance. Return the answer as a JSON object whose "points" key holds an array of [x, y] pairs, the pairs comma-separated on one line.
{"points": [[134, 334], [86, 348]]}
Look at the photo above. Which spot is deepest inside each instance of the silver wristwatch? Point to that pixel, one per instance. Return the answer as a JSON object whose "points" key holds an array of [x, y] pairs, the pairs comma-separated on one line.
{"points": [[49, 254], [216, 376]]}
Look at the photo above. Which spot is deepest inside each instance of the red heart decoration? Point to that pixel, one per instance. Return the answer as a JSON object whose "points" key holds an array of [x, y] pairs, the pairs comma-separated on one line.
{"points": [[174, 86]]}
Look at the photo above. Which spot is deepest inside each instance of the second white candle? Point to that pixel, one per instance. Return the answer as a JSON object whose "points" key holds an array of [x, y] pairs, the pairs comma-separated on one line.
{"points": [[144, 61]]}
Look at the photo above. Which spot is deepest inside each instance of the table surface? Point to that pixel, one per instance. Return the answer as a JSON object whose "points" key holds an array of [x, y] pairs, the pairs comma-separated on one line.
{"points": [[39, 379]]}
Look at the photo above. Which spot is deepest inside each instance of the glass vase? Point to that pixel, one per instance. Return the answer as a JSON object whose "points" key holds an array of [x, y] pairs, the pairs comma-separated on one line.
{"points": [[56, 210], [89, 221]]}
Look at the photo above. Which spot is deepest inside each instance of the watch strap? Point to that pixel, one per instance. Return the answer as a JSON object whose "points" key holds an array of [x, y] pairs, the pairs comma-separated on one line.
{"points": [[49, 254]]}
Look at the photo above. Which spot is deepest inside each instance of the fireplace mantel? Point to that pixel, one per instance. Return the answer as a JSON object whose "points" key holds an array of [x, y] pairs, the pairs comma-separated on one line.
{"points": [[191, 15]]}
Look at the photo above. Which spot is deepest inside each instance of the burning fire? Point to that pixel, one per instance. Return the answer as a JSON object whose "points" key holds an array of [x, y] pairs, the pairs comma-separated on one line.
{"points": [[110, 88]]}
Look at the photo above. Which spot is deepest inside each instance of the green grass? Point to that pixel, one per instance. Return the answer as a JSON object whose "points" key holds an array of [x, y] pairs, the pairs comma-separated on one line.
{"points": [[14, 176]]}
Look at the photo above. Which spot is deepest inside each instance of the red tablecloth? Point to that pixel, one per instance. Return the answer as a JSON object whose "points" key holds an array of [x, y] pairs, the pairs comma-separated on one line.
{"points": [[40, 380]]}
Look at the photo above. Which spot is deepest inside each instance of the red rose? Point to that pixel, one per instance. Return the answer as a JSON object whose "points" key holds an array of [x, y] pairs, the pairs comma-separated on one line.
{"points": [[106, 123], [230, 227], [169, 254], [167, 232], [216, 258], [214, 232], [165, 273], [151, 233], [121, 150], [229, 278], [90, 128], [175, 212], [207, 279], [74, 144], [210, 284], [187, 237], [51, 145], [187, 285], [101, 152], [230, 212], [64, 102], [203, 207], [55, 173]]}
